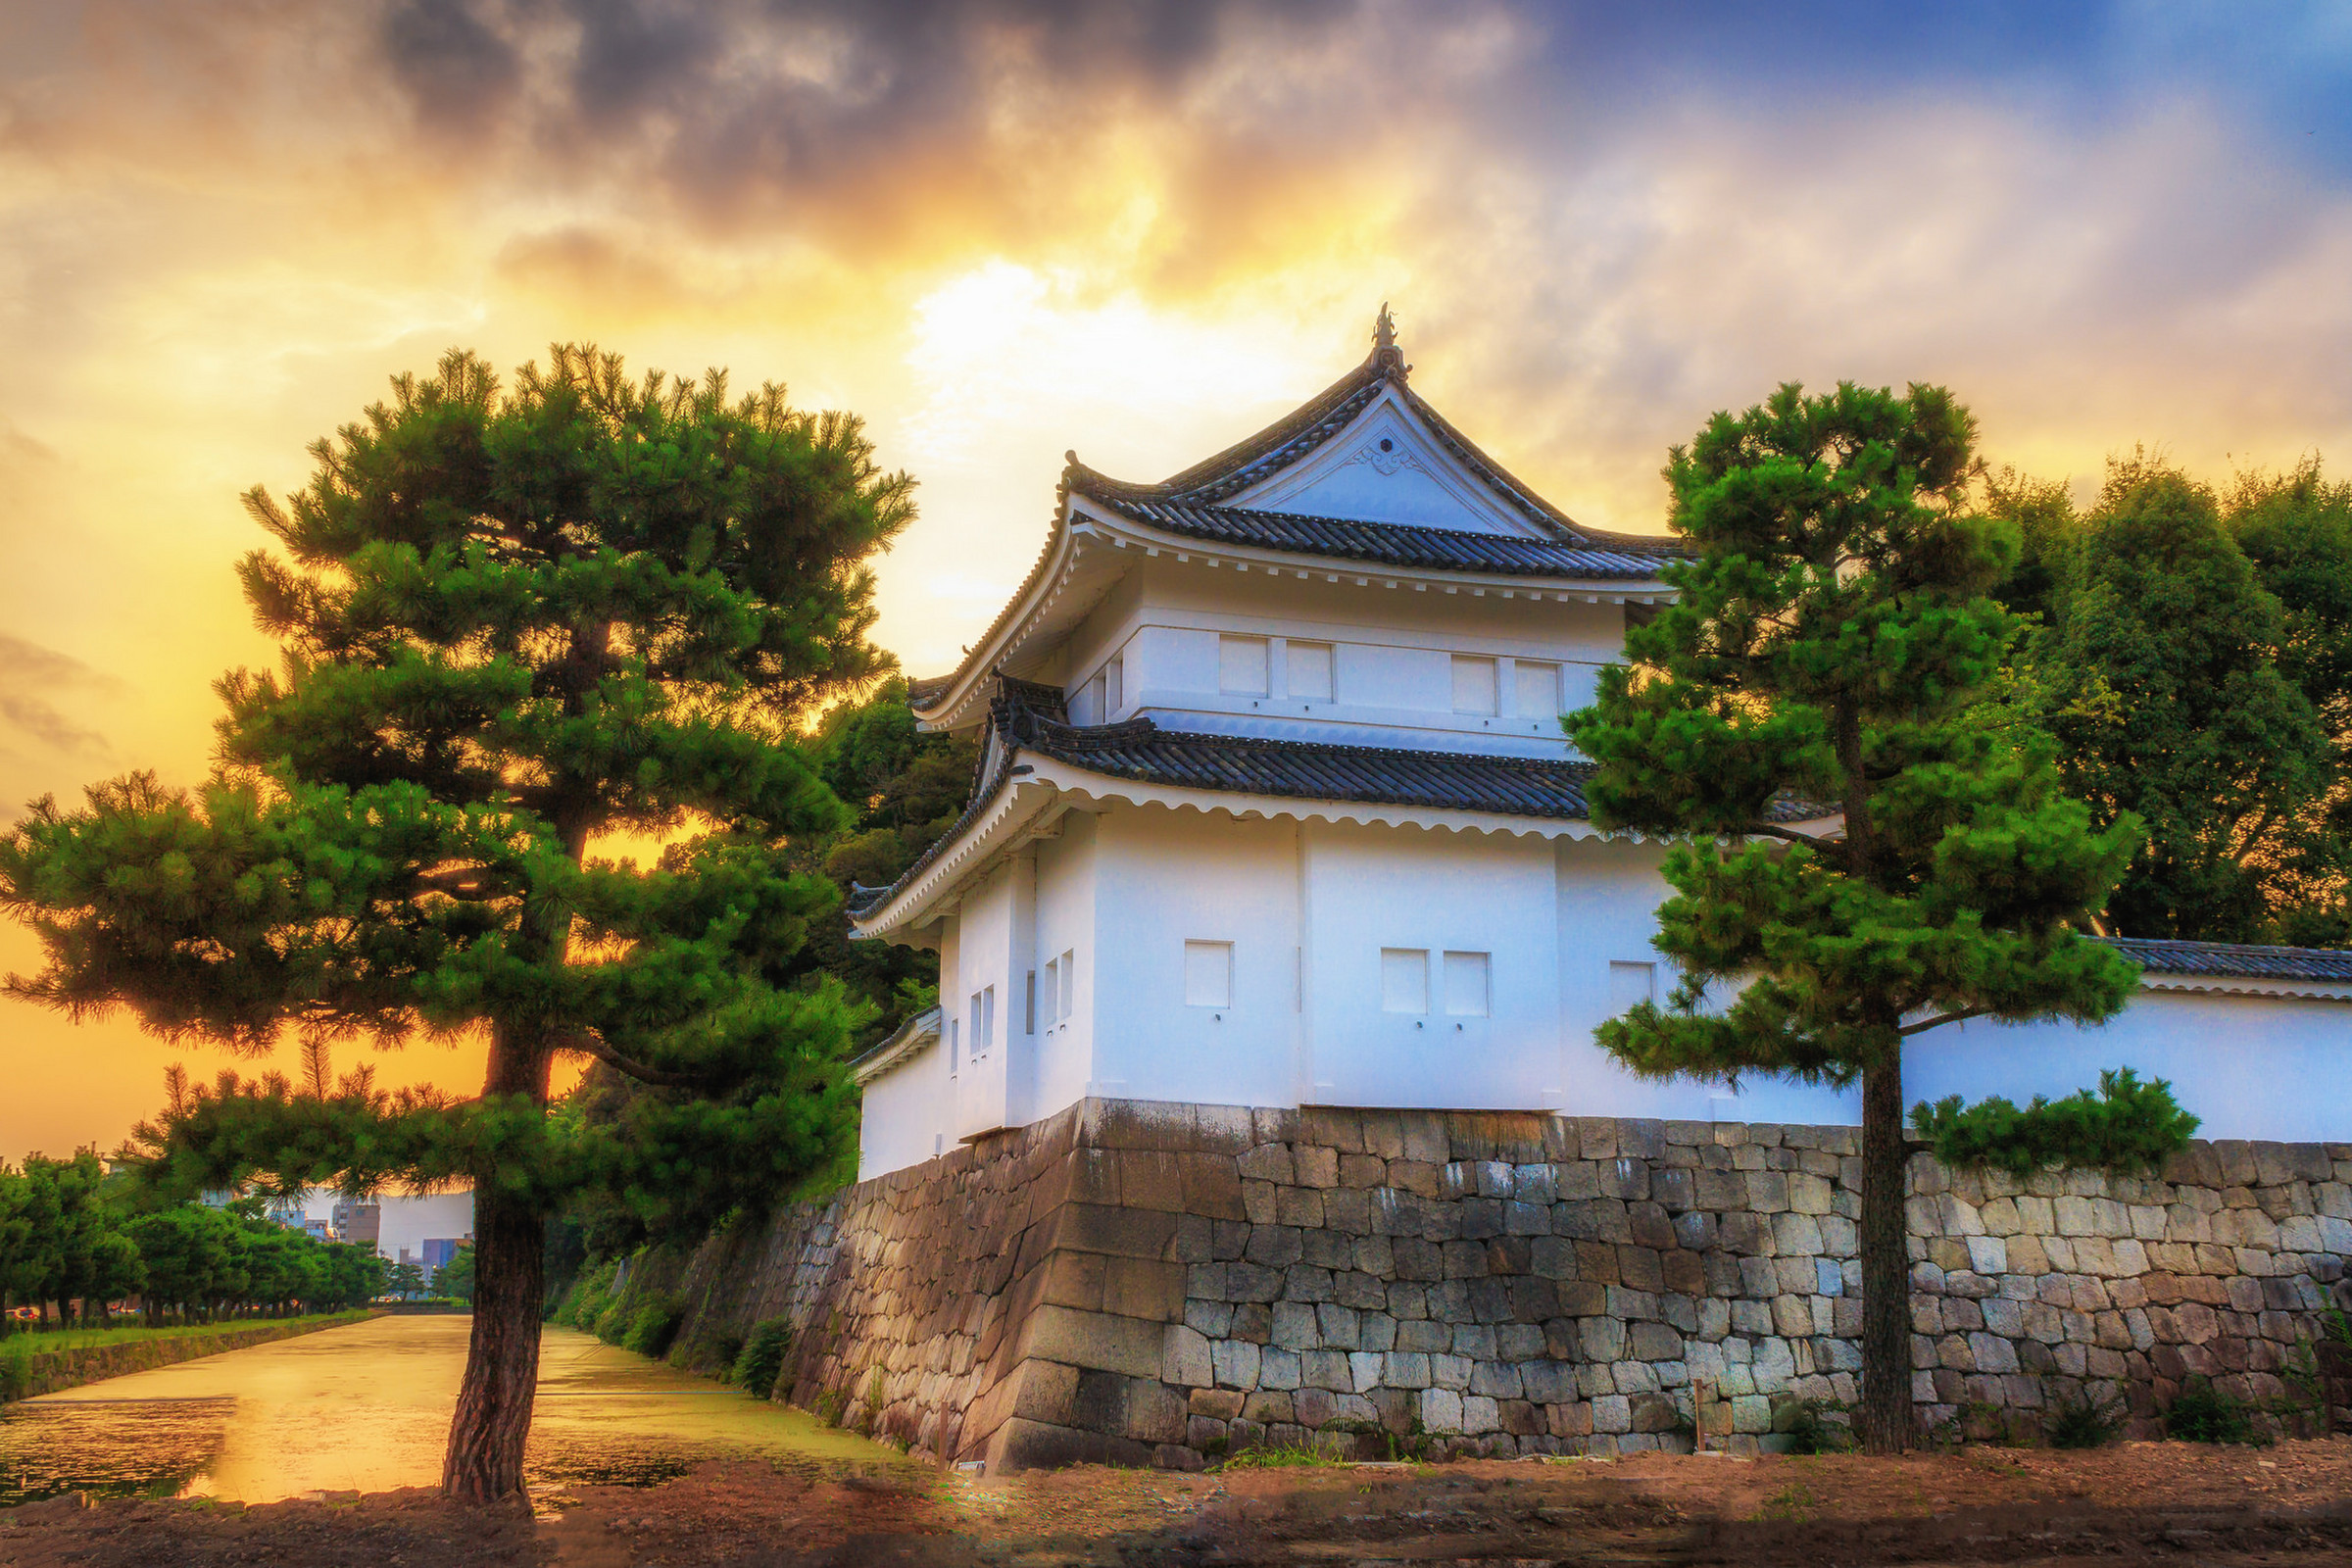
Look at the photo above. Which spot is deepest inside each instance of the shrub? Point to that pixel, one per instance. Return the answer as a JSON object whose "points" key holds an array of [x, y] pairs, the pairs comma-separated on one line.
{"points": [[761, 1358], [2203, 1413], [712, 1350], [2127, 1126], [654, 1326], [587, 1300], [829, 1408], [1817, 1426], [2085, 1419], [611, 1324]]}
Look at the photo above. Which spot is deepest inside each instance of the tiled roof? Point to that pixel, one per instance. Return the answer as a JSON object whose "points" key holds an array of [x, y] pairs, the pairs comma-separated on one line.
{"points": [[1030, 717], [1141, 750], [1387, 543], [2236, 961], [1324, 416]]}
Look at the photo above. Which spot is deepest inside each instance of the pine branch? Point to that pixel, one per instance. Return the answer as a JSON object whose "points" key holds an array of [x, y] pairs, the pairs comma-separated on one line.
{"points": [[660, 1077]]}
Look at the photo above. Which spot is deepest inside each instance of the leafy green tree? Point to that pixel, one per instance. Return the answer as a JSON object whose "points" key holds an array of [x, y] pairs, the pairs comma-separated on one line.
{"points": [[454, 1278], [1828, 643], [81, 1252], [2213, 748], [517, 622], [16, 1243], [186, 1250], [2296, 528], [352, 1275], [404, 1279]]}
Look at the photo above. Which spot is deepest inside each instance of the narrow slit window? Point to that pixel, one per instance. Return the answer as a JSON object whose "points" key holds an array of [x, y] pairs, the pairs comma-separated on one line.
{"points": [[1114, 688], [1473, 685], [1029, 1005], [1539, 690], [1052, 996], [1307, 671], [1241, 667], [1208, 974], [1405, 980], [1467, 984], [1070, 983]]}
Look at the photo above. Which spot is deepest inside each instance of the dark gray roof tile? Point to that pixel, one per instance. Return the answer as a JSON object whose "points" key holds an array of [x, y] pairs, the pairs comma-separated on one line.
{"points": [[1403, 546], [2236, 961]]}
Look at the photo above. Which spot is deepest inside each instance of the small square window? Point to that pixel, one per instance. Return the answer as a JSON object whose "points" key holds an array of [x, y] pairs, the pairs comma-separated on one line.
{"points": [[1539, 690], [1208, 974], [1473, 684], [1241, 665], [1466, 984], [1631, 984], [1404, 979], [1307, 671]]}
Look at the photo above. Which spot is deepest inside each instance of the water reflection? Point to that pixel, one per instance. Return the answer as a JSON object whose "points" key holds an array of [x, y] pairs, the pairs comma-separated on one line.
{"points": [[366, 1408]]}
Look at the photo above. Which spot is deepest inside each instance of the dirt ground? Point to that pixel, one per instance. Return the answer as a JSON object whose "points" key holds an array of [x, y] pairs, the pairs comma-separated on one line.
{"points": [[2170, 1502]]}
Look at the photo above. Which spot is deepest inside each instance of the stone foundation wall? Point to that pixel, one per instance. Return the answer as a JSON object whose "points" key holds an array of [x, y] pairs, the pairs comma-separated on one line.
{"points": [[1146, 1283]]}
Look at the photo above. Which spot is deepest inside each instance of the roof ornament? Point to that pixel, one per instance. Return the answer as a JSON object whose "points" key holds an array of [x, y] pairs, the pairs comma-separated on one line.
{"points": [[1385, 352]]}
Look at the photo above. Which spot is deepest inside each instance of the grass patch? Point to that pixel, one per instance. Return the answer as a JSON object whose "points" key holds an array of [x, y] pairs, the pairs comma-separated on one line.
{"points": [[1283, 1457], [39, 1341], [1794, 1502]]}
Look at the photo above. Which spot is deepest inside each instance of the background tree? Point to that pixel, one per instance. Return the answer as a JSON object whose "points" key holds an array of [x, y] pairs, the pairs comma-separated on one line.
{"points": [[2212, 746], [2296, 528], [454, 1278], [517, 623], [79, 1251], [404, 1279], [1828, 642]]}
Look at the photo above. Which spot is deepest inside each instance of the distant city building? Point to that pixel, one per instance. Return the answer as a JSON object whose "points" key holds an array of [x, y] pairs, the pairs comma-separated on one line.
{"points": [[361, 1224], [438, 1251]]}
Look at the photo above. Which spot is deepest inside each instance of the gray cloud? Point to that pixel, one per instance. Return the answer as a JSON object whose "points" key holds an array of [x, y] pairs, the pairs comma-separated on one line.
{"points": [[33, 679]]}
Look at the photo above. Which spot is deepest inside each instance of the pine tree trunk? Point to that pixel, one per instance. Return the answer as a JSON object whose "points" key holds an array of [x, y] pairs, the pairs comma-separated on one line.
{"points": [[493, 1418], [1886, 1413]]}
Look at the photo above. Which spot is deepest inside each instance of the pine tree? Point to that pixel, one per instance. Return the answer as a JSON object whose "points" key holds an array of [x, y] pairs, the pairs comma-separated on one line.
{"points": [[1828, 642], [516, 622]]}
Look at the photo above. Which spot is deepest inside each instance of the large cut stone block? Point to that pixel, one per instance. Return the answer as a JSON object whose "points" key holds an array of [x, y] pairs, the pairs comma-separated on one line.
{"points": [[1093, 1341]]}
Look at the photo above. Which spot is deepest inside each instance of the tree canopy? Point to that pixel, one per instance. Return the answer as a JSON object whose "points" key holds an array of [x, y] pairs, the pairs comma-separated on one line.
{"points": [[1825, 663], [522, 624]]}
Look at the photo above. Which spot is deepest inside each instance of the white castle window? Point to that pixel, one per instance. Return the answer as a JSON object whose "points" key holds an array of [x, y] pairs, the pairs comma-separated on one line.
{"points": [[1241, 667], [1467, 984], [1473, 684], [1208, 974], [1404, 979], [1539, 690], [1307, 671]]}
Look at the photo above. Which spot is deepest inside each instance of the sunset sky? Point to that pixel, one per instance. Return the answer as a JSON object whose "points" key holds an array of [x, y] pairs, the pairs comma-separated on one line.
{"points": [[1001, 229]]}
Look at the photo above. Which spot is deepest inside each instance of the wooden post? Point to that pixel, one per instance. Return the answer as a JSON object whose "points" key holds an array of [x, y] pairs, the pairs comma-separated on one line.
{"points": [[1698, 1415]]}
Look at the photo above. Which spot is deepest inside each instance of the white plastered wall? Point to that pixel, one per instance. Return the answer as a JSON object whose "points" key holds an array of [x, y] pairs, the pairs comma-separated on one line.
{"points": [[1164, 878], [2247, 1066], [1393, 684], [1058, 1068], [1371, 889], [903, 1114]]}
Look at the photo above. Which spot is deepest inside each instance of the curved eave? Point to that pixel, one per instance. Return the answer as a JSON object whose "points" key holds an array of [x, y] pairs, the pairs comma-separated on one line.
{"points": [[2245, 986], [1047, 787], [910, 1040], [1080, 527]]}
